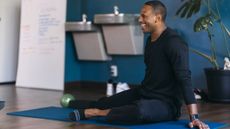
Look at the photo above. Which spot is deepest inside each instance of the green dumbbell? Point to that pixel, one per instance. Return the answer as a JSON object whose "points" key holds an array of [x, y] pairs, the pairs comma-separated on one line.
{"points": [[65, 99]]}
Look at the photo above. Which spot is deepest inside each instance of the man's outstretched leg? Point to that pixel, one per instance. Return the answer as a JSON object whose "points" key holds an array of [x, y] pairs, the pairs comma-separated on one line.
{"points": [[116, 100], [141, 111], [127, 114]]}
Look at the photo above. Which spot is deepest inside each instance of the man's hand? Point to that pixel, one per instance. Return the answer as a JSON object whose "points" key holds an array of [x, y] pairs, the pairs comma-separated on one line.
{"points": [[199, 124]]}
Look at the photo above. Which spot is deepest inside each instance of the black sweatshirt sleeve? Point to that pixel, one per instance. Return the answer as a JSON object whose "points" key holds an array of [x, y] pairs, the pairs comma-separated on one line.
{"points": [[178, 55]]}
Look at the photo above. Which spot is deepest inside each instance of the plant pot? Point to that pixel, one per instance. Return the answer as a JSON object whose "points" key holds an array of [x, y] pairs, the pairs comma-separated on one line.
{"points": [[218, 83]]}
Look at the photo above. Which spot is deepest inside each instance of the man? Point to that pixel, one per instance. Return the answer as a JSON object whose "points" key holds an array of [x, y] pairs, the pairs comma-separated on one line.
{"points": [[167, 79]]}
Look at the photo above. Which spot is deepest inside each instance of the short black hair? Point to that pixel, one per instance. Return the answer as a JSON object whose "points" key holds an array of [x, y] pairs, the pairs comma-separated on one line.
{"points": [[158, 7]]}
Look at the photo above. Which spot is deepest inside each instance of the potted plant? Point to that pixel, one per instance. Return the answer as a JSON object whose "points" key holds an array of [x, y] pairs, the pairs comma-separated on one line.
{"points": [[218, 79]]}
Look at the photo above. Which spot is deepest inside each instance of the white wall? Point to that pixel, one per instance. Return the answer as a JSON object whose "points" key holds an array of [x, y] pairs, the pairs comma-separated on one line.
{"points": [[9, 39]]}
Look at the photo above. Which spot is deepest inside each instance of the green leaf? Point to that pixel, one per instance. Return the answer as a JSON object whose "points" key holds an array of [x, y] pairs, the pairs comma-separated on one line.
{"points": [[180, 9], [197, 6], [186, 9], [189, 8], [203, 23], [191, 11]]}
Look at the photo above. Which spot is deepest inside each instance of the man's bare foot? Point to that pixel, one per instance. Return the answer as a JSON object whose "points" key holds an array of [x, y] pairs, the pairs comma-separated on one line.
{"points": [[95, 112]]}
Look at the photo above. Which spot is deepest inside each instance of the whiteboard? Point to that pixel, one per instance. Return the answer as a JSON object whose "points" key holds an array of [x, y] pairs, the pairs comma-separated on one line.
{"points": [[42, 44], [9, 39]]}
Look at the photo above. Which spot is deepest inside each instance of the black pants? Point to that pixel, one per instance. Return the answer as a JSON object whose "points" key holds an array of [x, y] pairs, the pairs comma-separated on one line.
{"points": [[129, 107]]}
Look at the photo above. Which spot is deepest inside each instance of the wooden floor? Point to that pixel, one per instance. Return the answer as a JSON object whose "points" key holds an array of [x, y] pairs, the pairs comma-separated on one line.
{"points": [[24, 98]]}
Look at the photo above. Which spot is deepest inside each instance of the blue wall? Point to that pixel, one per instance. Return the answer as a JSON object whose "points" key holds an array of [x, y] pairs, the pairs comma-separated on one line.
{"points": [[131, 68], [72, 65]]}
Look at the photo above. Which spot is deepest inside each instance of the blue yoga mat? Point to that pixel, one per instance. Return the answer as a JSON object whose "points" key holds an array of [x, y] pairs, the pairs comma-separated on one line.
{"points": [[61, 114]]}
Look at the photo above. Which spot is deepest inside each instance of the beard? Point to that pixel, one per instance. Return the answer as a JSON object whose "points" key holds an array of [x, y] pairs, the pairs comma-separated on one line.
{"points": [[148, 27]]}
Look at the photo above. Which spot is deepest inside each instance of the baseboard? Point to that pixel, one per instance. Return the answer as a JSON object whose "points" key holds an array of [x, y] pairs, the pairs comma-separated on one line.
{"points": [[6, 83]]}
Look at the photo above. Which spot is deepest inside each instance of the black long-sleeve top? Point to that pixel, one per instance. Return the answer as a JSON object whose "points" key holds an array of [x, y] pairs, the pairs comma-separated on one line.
{"points": [[167, 75]]}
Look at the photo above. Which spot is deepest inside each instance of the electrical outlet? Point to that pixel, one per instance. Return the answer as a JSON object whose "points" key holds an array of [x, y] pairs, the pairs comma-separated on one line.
{"points": [[114, 71]]}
